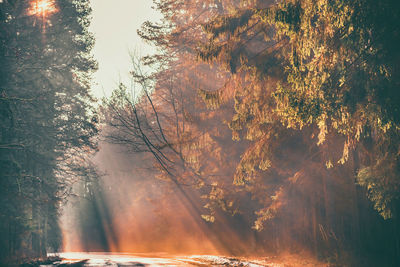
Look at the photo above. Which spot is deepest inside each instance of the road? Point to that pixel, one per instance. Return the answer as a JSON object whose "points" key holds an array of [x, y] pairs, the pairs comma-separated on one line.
{"points": [[160, 259]]}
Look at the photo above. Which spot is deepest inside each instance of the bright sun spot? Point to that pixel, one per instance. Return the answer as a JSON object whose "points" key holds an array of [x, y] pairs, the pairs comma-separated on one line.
{"points": [[42, 8]]}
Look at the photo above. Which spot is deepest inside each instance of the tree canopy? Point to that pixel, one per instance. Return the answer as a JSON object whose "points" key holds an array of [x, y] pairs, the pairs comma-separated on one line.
{"points": [[309, 91], [47, 119]]}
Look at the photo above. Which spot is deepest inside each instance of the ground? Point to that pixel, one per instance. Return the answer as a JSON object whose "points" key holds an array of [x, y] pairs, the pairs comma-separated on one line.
{"points": [[77, 259]]}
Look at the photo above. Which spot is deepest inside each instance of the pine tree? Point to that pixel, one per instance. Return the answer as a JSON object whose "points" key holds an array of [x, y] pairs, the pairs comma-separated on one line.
{"points": [[45, 105]]}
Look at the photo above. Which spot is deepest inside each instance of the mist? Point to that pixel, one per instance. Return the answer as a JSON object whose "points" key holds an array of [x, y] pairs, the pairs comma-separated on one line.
{"points": [[130, 210], [257, 132]]}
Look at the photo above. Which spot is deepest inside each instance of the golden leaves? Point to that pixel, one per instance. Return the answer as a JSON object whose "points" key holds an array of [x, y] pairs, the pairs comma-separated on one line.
{"points": [[323, 130], [212, 99], [208, 218]]}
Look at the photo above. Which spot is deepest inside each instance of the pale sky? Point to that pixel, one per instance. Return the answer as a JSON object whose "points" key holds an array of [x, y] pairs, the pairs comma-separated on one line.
{"points": [[114, 25]]}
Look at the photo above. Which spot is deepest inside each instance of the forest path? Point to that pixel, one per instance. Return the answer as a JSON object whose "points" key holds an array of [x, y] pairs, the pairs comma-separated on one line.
{"points": [[77, 259]]}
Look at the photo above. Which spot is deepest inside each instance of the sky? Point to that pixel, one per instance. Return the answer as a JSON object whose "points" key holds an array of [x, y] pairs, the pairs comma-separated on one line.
{"points": [[114, 25]]}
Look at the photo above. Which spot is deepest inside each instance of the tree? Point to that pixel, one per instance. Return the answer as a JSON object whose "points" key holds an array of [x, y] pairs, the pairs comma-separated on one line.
{"points": [[45, 106], [322, 69], [301, 85]]}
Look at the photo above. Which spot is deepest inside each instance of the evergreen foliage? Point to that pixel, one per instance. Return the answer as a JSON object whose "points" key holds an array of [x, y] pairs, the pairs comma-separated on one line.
{"points": [[46, 119]]}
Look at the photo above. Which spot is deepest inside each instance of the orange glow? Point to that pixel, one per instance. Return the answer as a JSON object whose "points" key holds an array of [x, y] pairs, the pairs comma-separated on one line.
{"points": [[136, 214], [42, 8]]}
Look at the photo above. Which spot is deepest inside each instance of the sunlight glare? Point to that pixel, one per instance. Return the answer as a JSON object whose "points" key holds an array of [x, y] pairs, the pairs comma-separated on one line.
{"points": [[42, 8]]}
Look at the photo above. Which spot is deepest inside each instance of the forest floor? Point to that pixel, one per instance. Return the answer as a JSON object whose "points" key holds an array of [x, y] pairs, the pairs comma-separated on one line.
{"points": [[160, 259]]}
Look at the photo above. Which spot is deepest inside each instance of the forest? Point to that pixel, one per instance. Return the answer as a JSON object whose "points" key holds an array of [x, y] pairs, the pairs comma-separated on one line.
{"points": [[273, 126], [47, 120]]}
